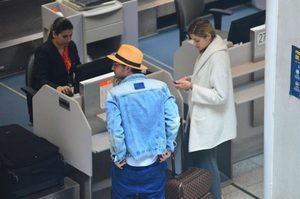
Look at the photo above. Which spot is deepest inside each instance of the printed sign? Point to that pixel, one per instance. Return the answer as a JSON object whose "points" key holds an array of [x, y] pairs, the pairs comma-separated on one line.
{"points": [[295, 72], [104, 86], [261, 38]]}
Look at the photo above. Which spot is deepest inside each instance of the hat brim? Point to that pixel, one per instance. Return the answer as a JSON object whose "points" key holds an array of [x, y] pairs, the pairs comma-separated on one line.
{"points": [[113, 57]]}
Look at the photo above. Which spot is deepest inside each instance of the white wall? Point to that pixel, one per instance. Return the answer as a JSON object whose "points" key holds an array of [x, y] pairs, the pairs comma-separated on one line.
{"points": [[282, 111]]}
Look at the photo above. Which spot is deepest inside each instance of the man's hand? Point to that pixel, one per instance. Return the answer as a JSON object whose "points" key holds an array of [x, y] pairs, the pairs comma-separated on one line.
{"points": [[120, 164], [164, 156]]}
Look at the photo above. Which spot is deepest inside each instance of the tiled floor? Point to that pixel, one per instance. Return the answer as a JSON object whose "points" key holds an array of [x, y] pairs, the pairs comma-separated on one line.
{"points": [[247, 180]]}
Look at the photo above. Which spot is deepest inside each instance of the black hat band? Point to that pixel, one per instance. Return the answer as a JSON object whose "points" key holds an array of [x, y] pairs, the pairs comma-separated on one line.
{"points": [[127, 61]]}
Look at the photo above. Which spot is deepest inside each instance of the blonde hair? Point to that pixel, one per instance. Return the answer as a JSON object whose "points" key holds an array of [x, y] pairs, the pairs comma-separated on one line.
{"points": [[201, 28]]}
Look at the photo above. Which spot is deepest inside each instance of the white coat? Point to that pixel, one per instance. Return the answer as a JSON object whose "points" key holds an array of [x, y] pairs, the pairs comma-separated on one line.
{"points": [[211, 100]]}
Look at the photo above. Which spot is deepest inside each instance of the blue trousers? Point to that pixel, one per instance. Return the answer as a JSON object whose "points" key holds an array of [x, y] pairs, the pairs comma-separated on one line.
{"points": [[206, 159], [148, 182]]}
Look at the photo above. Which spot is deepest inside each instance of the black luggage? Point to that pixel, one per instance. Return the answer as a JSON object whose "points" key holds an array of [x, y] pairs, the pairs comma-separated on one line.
{"points": [[28, 163]]}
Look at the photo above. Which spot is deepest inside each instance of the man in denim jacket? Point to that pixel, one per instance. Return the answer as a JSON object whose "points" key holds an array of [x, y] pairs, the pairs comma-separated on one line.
{"points": [[142, 121]]}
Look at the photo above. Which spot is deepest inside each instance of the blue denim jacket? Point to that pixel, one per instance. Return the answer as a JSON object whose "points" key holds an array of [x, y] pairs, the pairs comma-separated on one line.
{"points": [[142, 118]]}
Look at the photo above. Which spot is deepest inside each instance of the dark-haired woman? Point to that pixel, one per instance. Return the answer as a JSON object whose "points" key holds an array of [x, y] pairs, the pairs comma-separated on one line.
{"points": [[211, 102], [55, 59]]}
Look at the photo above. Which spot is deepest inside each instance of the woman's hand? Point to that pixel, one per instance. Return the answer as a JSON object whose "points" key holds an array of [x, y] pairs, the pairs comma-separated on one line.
{"points": [[64, 89], [184, 83], [186, 78]]}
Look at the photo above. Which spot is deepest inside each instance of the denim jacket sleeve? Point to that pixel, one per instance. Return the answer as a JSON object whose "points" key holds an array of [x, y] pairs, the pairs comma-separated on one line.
{"points": [[172, 120], [115, 129]]}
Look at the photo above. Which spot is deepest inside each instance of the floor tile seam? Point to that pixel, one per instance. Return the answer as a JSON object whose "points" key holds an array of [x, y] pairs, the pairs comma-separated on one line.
{"points": [[235, 193], [229, 189], [247, 185], [245, 191]]}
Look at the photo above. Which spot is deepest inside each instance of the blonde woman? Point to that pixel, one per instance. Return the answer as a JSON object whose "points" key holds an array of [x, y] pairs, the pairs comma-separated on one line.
{"points": [[211, 102]]}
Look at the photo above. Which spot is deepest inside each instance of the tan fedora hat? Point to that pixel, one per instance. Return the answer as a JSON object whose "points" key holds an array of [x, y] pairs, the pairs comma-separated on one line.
{"points": [[130, 56]]}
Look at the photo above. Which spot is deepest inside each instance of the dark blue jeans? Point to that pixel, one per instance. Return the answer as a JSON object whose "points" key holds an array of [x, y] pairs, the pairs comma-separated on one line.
{"points": [[206, 159], [148, 182]]}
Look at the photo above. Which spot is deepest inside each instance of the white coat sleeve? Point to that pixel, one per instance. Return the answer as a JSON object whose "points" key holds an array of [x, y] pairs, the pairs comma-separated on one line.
{"points": [[219, 81]]}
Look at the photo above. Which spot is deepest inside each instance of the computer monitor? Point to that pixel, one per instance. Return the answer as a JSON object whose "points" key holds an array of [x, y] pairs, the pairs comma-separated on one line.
{"points": [[91, 69], [93, 95], [239, 31]]}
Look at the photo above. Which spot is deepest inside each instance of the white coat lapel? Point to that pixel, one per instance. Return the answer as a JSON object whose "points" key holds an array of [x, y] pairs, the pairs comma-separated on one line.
{"points": [[216, 45]]}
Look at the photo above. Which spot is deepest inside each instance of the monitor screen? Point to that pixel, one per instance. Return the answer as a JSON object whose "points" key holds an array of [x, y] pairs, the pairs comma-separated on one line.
{"points": [[93, 92], [91, 69], [239, 31]]}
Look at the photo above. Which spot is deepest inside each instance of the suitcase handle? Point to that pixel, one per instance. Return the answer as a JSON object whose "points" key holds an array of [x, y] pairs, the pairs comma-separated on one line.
{"points": [[173, 165], [184, 129]]}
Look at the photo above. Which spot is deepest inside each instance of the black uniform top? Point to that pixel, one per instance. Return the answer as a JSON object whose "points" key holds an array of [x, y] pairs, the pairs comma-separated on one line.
{"points": [[49, 67]]}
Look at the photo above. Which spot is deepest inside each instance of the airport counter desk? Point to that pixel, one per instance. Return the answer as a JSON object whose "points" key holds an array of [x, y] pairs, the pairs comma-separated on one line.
{"points": [[77, 125]]}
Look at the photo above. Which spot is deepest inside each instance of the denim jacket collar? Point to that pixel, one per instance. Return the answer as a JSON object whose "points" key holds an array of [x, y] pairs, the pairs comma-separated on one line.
{"points": [[133, 77]]}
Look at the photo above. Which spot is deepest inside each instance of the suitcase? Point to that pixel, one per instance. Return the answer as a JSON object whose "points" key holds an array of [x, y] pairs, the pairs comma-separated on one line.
{"points": [[193, 183], [28, 163]]}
